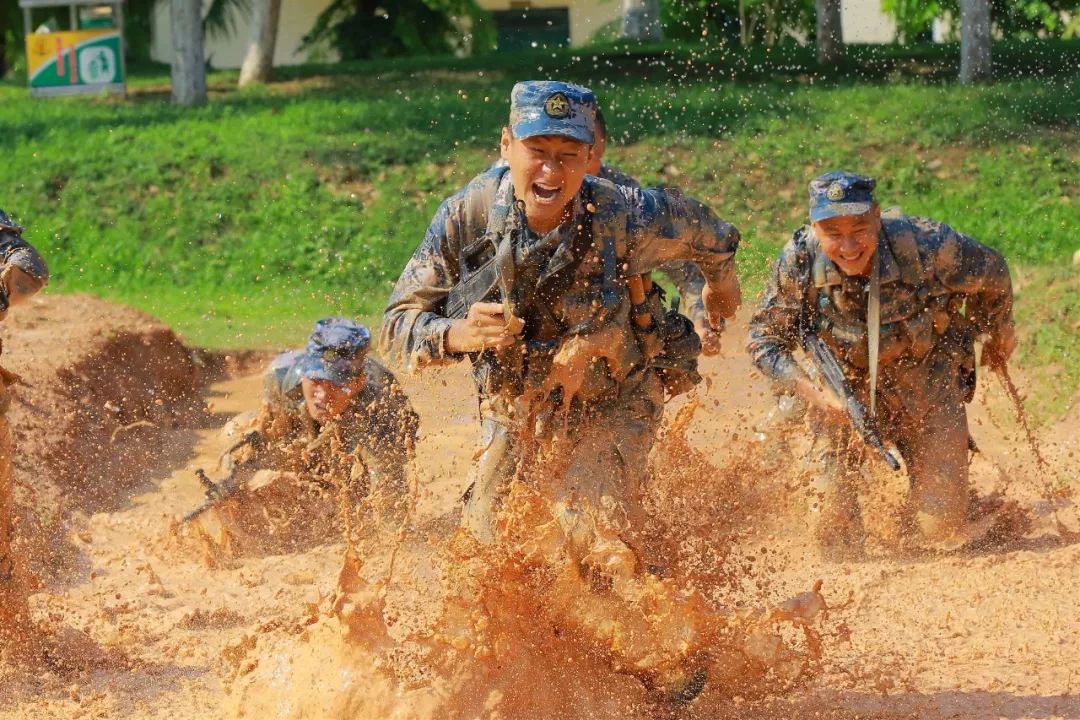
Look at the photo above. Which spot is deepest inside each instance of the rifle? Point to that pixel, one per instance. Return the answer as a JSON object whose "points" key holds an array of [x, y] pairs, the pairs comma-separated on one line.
{"points": [[217, 492], [829, 369]]}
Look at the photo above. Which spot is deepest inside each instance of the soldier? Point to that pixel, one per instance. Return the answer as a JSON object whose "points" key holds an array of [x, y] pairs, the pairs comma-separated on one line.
{"points": [[332, 386], [22, 274], [525, 272], [685, 275], [899, 301]]}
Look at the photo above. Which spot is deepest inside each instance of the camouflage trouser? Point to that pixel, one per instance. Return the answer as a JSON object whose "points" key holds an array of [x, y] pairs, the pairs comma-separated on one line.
{"points": [[934, 448], [607, 459]]}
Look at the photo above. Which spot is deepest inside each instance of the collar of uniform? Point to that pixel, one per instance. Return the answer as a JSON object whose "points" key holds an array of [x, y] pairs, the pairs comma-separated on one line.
{"points": [[826, 273], [561, 239]]}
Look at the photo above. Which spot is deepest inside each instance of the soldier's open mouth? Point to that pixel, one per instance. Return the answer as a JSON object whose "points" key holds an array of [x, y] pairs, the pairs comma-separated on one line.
{"points": [[545, 193]]}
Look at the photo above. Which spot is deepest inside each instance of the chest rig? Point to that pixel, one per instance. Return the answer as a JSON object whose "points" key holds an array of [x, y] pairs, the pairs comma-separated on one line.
{"points": [[917, 311], [573, 288]]}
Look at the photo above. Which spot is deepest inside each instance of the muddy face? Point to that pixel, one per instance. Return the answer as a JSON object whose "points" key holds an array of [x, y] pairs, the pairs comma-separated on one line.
{"points": [[850, 242], [547, 172], [326, 400]]}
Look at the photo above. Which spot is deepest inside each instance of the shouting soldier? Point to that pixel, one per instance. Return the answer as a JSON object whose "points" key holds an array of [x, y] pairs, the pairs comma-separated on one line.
{"points": [[895, 303], [22, 273], [528, 272]]}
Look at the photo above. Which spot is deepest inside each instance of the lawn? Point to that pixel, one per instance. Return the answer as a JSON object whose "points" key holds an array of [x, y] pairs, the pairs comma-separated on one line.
{"points": [[242, 221]]}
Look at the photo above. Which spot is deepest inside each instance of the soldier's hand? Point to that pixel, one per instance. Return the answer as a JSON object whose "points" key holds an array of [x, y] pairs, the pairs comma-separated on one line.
{"points": [[710, 338], [997, 351], [484, 327], [720, 303], [822, 399]]}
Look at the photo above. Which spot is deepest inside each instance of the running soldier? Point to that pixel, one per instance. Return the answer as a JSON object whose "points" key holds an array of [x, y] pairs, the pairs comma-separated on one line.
{"points": [[898, 301], [529, 272]]}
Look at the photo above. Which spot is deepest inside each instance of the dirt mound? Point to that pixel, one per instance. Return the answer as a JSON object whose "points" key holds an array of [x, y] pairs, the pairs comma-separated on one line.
{"points": [[102, 383]]}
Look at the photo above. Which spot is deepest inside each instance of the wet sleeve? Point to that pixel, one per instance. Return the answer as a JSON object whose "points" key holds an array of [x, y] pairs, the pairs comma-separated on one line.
{"points": [[689, 281], [774, 328], [664, 225], [966, 266], [16, 252], [414, 326]]}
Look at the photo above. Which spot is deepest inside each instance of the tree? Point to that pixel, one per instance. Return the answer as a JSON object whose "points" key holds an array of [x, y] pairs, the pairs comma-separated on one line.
{"points": [[188, 64], [259, 60], [830, 34], [641, 21], [976, 41], [361, 29]]}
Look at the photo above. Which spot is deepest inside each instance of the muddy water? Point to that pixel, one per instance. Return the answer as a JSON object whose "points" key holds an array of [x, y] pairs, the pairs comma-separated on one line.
{"points": [[148, 630]]}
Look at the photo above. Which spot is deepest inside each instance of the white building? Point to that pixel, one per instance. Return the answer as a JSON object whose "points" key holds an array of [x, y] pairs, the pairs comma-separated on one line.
{"points": [[520, 24]]}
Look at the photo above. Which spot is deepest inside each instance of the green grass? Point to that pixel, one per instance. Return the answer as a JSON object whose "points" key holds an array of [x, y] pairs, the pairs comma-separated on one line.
{"points": [[272, 206]]}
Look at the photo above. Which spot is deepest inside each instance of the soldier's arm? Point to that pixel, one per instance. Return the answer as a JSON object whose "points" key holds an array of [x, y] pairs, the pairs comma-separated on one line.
{"points": [[966, 266], [774, 328], [24, 271], [414, 326], [689, 281], [664, 225]]}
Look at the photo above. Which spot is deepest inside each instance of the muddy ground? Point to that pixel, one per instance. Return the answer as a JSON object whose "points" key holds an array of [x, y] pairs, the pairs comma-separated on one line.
{"points": [[139, 626]]}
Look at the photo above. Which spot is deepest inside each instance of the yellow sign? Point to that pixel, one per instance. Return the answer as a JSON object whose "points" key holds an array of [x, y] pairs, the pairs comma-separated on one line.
{"points": [[77, 58]]}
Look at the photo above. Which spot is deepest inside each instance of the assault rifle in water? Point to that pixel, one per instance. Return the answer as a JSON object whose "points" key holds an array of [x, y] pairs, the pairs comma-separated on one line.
{"points": [[226, 487], [830, 371]]}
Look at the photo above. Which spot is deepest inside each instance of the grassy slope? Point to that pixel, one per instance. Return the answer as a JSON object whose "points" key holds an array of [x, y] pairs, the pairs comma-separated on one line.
{"points": [[242, 221]]}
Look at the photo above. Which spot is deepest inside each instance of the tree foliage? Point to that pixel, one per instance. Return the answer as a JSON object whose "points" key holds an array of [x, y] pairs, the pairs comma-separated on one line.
{"points": [[1012, 18], [743, 21], [361, 29]]}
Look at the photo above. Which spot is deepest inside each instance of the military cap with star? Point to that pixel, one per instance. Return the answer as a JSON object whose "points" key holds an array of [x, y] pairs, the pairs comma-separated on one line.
{"points": [[546, 107], [840, 194], [335, 351]]}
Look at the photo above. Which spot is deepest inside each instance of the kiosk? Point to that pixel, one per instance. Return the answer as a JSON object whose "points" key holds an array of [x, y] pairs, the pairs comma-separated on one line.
{"points": [[89, 58]]}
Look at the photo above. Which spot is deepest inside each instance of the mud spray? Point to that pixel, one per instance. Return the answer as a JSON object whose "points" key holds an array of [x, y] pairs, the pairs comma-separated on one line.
{"points": [[528, 627]]}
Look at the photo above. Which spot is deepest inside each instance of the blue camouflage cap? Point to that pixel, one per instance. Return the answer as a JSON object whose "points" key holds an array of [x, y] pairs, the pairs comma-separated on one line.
{"points": [[6, 223], [841, 194], [546, 107], [335, 351]]}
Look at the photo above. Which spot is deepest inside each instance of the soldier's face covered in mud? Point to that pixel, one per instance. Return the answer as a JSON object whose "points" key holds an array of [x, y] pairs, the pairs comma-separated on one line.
{"points": [[326, 400], [547, 171], [850, 241]]}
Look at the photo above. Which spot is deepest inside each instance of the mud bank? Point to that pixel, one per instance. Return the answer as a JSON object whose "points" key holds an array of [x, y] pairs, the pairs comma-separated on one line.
{"points": [[105, 388]]}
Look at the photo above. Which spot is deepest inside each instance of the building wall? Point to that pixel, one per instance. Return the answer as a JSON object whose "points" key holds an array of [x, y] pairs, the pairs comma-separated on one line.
{"points": [[297, 18], [864, 21], [586, 16]]}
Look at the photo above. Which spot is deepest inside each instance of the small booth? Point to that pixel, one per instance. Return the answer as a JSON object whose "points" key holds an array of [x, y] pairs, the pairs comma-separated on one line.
{"points": [[88, 58]]}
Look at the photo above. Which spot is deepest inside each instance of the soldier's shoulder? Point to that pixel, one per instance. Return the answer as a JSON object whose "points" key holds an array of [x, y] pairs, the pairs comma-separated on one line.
{"points": [[617, 176], [9, 226], [479, 193], [281, 377]]}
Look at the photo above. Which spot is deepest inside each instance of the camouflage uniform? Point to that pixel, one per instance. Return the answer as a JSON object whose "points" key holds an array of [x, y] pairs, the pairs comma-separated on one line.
{"points": [[569, 282], [14, 252], [929, 272], [684, 275], [379, 420]]}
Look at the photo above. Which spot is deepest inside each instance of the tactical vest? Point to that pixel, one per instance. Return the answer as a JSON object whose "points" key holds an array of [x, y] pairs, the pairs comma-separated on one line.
{"points": [[572, 293], [918, 313]]}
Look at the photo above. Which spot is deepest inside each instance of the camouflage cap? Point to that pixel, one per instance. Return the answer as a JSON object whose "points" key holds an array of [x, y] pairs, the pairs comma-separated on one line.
{"points": [[841, 194], [9, 225], [546, 107], [335, 351]]}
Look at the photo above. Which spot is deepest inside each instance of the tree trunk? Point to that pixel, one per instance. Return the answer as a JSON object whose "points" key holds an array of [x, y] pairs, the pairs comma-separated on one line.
{"points": [[259, 61], [641, 21], [975, 41], [830, 33], [188, 65]]}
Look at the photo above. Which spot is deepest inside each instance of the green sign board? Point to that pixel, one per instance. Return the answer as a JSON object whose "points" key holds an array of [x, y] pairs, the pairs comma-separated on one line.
{"points": [[71, 63]]}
